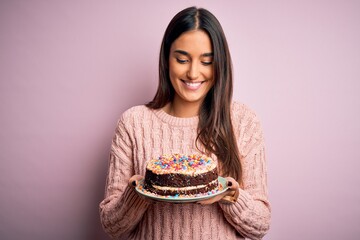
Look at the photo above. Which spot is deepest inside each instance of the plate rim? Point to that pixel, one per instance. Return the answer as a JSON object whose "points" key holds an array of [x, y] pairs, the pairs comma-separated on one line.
{"points": [[221, 180]]}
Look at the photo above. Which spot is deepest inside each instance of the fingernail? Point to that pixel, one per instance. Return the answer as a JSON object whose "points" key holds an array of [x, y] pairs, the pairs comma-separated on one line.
{"points": [[229, 184], [134, 183]]}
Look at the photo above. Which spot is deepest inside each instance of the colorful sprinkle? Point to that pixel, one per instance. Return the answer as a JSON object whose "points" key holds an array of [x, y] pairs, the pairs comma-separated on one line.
{"points": [[183, 163]]}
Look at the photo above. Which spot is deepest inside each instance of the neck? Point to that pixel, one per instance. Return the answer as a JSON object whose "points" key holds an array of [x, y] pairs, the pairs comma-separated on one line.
{"points": [[182, 109]]}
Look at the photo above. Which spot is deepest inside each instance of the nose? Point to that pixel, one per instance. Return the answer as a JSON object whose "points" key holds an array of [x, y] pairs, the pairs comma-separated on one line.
{"points": [[193, 71]]}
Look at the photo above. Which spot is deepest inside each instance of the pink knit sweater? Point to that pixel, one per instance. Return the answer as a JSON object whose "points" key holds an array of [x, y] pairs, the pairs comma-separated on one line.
{"points": [[142, 134]]}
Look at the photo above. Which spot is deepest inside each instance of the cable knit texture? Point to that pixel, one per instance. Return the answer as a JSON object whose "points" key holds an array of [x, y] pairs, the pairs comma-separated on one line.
{"points": [[142, 134]]}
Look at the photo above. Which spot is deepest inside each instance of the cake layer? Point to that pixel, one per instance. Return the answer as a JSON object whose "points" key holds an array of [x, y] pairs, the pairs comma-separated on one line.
{"points": [[180, 180], [177, 174], [174, 191]]}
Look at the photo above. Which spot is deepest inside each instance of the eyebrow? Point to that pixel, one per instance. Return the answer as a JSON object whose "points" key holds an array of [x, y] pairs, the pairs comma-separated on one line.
{"points": [[187, 54]]}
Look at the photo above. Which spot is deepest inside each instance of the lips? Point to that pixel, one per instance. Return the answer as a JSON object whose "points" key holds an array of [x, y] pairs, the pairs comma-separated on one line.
{"points": [[192, 85]]}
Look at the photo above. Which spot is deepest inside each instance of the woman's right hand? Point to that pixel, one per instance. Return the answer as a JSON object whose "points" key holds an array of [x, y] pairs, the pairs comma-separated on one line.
{"points": [[134, 180]]}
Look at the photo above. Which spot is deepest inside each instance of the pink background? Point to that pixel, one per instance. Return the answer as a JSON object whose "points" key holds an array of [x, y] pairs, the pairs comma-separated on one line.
{"points": [[70, 68]]}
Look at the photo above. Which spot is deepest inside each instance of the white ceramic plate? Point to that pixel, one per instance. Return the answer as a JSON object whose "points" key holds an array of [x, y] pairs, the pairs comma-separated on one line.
{"points": [[222, 188]]}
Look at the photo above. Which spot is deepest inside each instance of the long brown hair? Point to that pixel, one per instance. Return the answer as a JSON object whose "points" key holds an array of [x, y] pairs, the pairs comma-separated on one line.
{"points": [[215, 130]]}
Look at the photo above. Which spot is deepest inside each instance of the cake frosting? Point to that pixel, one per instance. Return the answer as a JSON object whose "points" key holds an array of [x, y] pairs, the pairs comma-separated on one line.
{"points": [[178, 174]]}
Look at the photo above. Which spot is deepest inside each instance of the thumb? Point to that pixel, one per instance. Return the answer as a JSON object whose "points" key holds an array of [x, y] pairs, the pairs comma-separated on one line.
{"points": [[134, 180]]}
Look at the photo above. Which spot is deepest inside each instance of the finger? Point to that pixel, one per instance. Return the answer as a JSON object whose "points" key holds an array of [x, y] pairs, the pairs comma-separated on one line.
{"points": [[232, 184], [213, 199], [134, 180]]}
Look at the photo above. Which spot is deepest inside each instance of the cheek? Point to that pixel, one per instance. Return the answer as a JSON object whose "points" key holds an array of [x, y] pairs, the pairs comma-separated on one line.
{"points": [[172, 75], [171, 70], [209, 74], [176, 71]]}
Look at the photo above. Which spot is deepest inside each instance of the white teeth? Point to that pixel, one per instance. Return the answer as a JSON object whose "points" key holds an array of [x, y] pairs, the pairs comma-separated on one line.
{"points": [[193, 84]]}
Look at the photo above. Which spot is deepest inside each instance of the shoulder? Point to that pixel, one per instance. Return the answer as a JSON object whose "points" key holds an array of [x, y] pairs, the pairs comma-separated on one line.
{"points": [[135, 111], [134, 114], [244, 118], [240, 111]]}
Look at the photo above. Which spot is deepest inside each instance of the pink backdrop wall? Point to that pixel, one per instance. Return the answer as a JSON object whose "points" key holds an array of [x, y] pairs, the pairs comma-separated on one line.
{"points": [[69, 68]]}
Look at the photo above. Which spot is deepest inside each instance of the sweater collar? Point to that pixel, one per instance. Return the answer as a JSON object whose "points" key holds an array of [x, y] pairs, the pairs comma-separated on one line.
{"points": [[176, 121]]}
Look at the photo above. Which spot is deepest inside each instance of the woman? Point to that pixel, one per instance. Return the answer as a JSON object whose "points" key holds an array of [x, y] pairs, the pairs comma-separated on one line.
{"points": [[192, 112]]}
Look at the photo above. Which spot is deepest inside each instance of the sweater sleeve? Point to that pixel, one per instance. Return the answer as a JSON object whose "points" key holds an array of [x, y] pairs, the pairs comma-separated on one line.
{"points": [[122, 208], [250, 214]]}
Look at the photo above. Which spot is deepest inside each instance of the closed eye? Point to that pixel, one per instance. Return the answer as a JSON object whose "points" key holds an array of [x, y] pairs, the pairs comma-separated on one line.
{"points": [[206, 63], [182, 61]]}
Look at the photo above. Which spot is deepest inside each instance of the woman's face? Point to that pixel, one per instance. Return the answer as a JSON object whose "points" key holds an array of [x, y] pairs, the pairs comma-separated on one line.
{"points": [[190, 67]]}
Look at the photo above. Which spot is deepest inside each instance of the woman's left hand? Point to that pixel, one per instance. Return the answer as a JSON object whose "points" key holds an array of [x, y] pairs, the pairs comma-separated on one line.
{"points": [[229, 196]]}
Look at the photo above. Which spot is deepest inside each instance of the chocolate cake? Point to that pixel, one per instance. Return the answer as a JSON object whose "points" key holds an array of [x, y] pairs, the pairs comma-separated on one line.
{"points": [[176, 174]]}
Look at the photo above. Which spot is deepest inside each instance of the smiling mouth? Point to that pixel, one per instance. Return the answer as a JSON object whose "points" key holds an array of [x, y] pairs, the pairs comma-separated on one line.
{"points": [[193, 84]]}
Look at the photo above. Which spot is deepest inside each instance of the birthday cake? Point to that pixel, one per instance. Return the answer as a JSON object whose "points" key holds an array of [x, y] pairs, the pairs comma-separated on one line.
{"points": [[176, 175]]}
